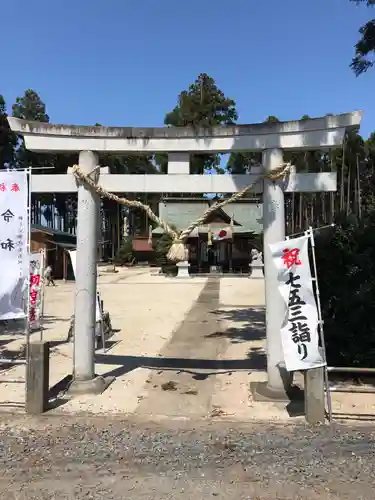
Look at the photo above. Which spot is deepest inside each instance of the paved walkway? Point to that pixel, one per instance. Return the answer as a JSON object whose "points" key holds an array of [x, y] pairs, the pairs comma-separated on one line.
{"points": [[185, 385]]}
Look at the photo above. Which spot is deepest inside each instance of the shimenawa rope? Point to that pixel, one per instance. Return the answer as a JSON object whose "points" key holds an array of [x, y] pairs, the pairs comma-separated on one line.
{"points": [[177, 252]]}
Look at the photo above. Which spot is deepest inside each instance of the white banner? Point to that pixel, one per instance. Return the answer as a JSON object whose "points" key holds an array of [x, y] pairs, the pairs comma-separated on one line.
{"points": [[36, 292], [73, 258], [14, 228], [299, 332]]}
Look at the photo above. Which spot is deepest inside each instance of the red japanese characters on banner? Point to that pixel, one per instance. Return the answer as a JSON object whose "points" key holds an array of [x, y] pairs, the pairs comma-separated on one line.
{"points": [[34, 295], [36, 284], [14, 188], [291, 257]]}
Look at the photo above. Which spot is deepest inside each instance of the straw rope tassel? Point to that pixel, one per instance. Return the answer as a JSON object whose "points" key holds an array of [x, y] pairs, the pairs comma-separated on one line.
{"points": [[177, 252]]}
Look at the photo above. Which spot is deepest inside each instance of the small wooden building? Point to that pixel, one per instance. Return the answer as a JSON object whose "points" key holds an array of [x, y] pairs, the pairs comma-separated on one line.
{"points": [[227, 237], [56, 245], [142, 249]]}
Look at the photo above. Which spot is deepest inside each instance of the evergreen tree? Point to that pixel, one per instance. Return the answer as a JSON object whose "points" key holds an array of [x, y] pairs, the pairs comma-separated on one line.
{"points": [[203, 105], [365, 47], [31, 107], [8, 140]]}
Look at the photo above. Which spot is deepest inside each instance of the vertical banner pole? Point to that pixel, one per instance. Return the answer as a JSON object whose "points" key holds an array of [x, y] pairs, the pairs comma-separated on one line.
{"points": [[42, 266], [28, 257], [310, 232], [28, 229]]}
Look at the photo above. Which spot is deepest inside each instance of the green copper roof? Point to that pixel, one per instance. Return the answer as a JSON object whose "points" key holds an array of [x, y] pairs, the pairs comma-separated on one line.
{"points": [[181, 214]]}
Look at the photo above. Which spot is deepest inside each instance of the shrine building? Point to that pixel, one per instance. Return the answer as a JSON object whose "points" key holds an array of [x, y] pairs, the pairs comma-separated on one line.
{"points": [[226, 239]]}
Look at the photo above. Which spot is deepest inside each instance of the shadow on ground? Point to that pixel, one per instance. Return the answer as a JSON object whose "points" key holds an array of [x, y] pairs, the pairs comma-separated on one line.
{"points": [[249, 326], [126, 364]]}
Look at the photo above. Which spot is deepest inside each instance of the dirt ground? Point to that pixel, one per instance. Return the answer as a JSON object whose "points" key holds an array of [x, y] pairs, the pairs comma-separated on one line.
{"points": [[115, 458], [179, 420], [181, 348]]}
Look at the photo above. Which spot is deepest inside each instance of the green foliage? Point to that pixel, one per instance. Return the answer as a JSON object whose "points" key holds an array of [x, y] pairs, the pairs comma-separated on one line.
{"points": [[125, 253], [365, 48], [241, 163], [346, 271], [203, 105], [161, 247], [8, 140], [31, 107]]}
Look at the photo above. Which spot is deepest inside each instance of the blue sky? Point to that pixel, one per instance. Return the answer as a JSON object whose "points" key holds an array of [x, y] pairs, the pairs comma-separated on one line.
{"points": [[123, 62]]}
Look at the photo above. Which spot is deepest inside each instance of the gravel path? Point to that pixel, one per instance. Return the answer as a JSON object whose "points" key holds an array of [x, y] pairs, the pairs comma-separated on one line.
{"points": [[113, 458]]}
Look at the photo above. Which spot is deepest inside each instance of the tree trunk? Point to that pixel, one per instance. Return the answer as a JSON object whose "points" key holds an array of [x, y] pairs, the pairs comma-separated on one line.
{"points": [[342, 186], [359, 190], [348, 197]]}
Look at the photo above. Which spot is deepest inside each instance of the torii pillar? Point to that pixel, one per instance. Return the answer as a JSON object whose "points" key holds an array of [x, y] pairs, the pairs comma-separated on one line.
{"points": [[273, 231], [269, 138], [85, 380]]}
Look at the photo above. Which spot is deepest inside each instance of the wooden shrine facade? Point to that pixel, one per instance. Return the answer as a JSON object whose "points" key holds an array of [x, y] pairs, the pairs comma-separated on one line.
{"points": [[224, 241]]}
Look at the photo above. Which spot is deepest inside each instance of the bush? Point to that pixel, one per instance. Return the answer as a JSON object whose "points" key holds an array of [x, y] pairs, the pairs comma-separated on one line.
{"points": [[161, 248], [125, 255], [346, 272]]}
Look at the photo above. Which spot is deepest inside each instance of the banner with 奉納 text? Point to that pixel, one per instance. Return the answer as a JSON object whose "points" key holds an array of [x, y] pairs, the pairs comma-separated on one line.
{"points": [[299, 331], [14, 229], [36, 291]]}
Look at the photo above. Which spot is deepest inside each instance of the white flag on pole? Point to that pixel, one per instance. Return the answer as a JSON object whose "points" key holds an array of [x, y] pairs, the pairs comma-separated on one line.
{"points": [[299, 332], [14, 229]]}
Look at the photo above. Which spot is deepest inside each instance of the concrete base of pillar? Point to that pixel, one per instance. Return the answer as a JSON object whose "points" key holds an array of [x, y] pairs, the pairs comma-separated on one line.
{"points": [[94, 386], [314, 395], [37, 378], [263, 393], [183, 269]]}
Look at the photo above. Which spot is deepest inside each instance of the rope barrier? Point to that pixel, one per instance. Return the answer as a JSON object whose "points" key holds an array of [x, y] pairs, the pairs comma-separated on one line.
{"points": [[178, 251]]}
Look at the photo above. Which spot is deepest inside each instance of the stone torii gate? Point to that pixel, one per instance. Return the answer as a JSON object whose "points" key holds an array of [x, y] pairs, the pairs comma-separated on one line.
{"points": [[269, 138]]}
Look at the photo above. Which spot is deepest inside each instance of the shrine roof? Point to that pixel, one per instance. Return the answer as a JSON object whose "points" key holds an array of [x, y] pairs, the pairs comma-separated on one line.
{"points": [[247, 217]]}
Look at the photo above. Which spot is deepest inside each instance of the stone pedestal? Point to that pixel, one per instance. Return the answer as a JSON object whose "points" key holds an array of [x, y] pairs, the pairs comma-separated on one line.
{"points": [[183, 269], [256, 270]]}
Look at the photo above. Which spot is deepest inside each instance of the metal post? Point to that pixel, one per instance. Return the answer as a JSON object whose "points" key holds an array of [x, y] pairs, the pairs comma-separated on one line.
{"points": [[27, 289], [84, 379], [42, 291], [321, 327], [279, 380]]}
